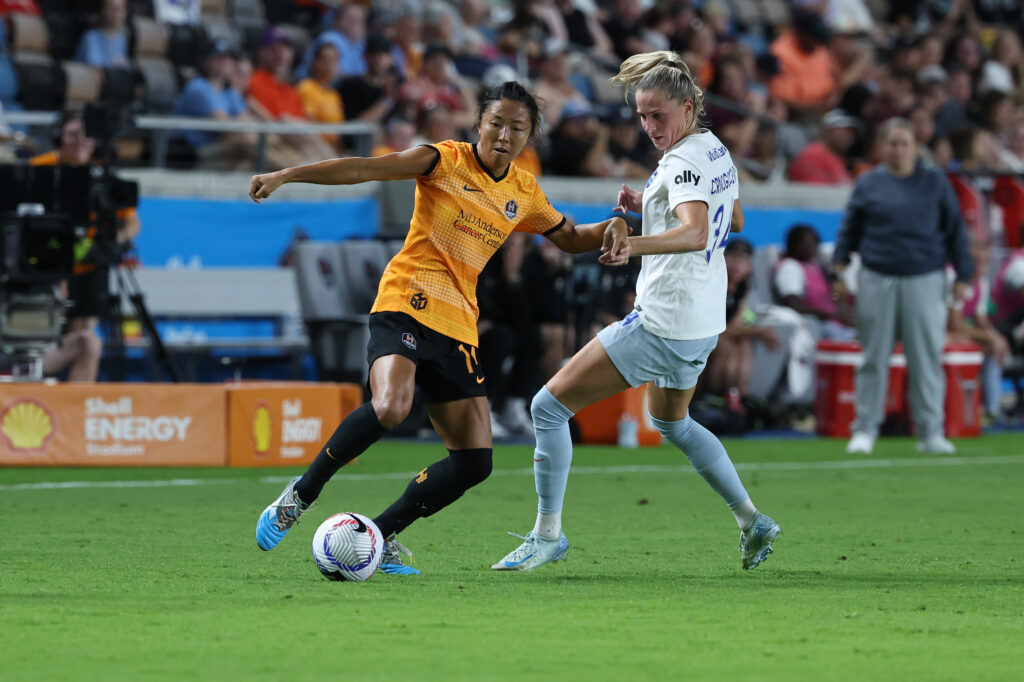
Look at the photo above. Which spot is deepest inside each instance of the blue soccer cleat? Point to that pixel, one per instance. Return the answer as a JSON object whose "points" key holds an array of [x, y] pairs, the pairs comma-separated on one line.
{"points": [[392, 563], [534, 553], [278, 518], [756, 540]]}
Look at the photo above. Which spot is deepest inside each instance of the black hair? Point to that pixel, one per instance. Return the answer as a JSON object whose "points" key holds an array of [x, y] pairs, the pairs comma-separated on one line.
{"points": [[739, 245], [511, 90], [796, 233]]}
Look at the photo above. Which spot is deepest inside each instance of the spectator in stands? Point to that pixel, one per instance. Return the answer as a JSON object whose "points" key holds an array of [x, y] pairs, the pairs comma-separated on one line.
{"points": [[731, 363], [184, 12], [969, 323], [478, 35], [509, 338], [29, 7], [407, 35], [398, 136], [320, 100], [734, 127], [999, 115], [624, 27], [579, 145], [554, 86], [1003, 71], [439, 85], [631, 155], [372, 96], [270, 92], [905, 222], [584, 30], [824, 161], [211, 95], [547, 277], [801, 283], [435, 123], [806, 82], [348, 35], [106, 45], [1008, 296]]}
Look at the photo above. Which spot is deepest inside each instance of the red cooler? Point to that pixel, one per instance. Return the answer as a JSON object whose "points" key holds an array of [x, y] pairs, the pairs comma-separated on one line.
{"points": [[835, 403], [962, 364]]}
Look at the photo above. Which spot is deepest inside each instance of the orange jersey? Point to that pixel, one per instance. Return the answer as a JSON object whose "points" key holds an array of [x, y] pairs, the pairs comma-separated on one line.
{"points": [[463, 214]]}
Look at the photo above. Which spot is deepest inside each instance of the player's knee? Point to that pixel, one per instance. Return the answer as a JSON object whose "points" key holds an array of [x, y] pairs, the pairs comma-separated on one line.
{"points": [[473, 466], [544, 408], [392, 407]]}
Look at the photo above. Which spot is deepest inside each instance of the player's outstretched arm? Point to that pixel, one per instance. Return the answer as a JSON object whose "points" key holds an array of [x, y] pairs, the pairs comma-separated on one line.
{"points": [[404, 165], [611, 236], [691, 235]]}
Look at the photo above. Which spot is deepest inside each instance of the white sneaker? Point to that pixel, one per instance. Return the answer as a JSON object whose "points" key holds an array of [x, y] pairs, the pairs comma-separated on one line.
{"points": [[936, 445], [515, 418], [860, 444], [533, 553], [497, 430]]}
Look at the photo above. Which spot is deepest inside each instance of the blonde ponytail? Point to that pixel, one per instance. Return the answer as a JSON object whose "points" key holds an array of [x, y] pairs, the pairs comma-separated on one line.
{"points": [[663, 71]]}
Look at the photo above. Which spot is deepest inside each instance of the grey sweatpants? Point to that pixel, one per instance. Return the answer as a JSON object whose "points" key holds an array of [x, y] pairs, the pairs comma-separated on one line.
{"points": [[915, 307]]}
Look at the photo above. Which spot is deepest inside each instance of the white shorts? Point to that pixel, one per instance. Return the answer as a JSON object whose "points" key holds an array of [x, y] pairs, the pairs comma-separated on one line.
{"points": [[641, 356]]}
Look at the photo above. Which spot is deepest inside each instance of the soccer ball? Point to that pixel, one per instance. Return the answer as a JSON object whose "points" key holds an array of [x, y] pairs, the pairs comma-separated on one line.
{"points": [[348, 546]]}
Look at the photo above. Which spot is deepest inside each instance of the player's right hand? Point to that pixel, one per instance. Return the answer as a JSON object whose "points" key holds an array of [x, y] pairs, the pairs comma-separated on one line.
{"points": [[262, 186], [629, 200]]}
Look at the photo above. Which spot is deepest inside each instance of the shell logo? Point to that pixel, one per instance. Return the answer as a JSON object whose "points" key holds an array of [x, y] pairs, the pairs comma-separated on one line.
{"points": [[261, 428], [26, 425]]}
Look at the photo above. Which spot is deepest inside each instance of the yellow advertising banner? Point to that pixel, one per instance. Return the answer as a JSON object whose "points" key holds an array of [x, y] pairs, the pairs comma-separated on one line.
{"points": [[112, 425], [281, 424]]}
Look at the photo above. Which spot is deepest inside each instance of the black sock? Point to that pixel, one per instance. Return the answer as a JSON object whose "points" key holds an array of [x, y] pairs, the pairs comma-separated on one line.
{"points": [[358, 431], [435, 488]]}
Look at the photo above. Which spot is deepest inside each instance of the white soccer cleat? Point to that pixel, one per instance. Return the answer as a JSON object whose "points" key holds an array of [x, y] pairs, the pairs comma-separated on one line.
{"points": [[861, 444], [756, 540], [534, 552], [936, 445]]}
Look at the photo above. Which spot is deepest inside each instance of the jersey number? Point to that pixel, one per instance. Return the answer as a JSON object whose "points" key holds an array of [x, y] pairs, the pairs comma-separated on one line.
{"points": [[719, 236]]}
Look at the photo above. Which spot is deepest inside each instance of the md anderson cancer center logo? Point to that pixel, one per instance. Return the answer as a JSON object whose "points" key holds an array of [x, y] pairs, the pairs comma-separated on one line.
{"points": [[26, 424]]}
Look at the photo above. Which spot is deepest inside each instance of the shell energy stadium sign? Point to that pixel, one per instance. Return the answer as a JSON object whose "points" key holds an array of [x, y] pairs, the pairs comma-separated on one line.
{"points": [[112, 425]]}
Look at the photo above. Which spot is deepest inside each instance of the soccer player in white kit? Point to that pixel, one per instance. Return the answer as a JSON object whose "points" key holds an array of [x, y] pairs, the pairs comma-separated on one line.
{"points": [[689, 206]]}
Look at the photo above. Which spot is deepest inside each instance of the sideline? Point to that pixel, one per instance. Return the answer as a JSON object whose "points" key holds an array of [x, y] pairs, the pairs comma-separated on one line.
{"points": [[578, 471]]}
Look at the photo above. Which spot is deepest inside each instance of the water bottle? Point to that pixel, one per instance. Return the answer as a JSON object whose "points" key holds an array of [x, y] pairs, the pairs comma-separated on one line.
{"points": [[628, 429]]}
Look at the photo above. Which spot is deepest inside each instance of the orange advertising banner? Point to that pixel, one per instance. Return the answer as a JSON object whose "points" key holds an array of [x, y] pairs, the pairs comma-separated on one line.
{"points": [[281, 424], [112, 425]]}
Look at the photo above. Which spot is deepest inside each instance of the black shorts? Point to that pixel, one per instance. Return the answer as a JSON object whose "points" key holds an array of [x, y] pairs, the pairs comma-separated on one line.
{"points": [[446, 369], [88, 293]]}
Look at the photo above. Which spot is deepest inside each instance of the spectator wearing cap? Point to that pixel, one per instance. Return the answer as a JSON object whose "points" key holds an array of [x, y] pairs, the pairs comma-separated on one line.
{"points": [[631, 153], [210, 95], [348, 35], [106, 45], [439, 85], [823, 162], [579, 144], [269, 89], [372, 96], [320, 100], [806, 80], [553, 87], [905, 222]]}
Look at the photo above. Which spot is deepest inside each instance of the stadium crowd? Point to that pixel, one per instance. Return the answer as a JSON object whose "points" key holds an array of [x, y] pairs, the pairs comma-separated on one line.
{"points": [[796, 89]]}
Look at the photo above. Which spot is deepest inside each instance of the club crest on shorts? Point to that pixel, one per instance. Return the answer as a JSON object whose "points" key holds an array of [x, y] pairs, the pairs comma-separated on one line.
{"points": [[409, 340], [511, 209]]}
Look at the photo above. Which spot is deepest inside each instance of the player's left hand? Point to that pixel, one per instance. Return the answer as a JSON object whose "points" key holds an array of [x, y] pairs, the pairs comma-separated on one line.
{"points": [[616, 248]]}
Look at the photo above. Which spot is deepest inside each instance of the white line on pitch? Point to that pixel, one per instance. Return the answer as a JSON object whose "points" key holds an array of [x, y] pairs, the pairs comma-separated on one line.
{"points": [[578, 470]]}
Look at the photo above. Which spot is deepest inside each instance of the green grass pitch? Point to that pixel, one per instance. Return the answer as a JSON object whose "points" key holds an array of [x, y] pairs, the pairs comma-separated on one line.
{"points": [[891, 567]]}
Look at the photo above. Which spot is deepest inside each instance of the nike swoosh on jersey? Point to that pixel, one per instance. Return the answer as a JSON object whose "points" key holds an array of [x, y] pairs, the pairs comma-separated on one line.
{"points": [[471, 189]]}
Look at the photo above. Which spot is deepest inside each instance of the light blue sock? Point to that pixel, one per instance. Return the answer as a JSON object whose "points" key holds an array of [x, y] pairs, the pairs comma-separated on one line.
{"points": [[707, 455], [553, 454]]}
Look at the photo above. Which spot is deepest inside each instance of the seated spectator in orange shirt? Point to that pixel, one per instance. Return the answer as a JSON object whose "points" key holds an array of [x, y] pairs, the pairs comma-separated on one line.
{"points": [[398, 136], [806, 80], [824, 162], [269, 86], [321, 101]]}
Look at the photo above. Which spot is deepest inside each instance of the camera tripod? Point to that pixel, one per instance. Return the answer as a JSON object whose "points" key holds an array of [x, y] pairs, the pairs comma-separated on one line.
{"points": [[113, 319]]}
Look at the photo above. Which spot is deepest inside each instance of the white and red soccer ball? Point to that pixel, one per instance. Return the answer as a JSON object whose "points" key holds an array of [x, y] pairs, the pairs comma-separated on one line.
{"points": [[348, 546]]}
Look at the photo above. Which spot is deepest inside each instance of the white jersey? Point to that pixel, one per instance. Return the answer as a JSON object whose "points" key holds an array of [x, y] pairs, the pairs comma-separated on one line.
{"points": [[682, 295]]}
